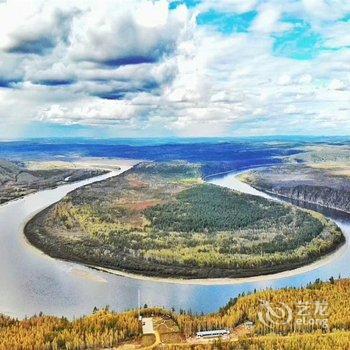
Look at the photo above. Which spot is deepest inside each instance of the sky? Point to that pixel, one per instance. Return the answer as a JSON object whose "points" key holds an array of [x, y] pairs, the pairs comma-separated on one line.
{"points": [[186, 68]]}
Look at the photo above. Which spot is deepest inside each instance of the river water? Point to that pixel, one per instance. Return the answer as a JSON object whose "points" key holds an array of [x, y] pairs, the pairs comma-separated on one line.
{"points": [[31, 282]]}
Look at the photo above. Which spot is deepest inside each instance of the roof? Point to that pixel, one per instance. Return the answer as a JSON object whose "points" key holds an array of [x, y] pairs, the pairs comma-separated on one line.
{"points": [[212, 331], [147, 325]]}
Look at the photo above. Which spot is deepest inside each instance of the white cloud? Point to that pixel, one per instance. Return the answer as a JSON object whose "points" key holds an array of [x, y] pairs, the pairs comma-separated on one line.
{"points": [[337, 84], [268, 20], [336, 35], [326, 10], [305, 79], [137, 65], [126, 35], [238, 6], [32, 27], [90, 112], [284, 79]]}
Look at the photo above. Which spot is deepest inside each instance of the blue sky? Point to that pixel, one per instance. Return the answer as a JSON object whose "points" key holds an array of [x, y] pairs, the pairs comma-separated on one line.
{"points": [[142, 68]]}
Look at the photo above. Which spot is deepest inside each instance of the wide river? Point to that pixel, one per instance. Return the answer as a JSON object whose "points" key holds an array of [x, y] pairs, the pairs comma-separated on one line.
{"points": [[31, 282]]}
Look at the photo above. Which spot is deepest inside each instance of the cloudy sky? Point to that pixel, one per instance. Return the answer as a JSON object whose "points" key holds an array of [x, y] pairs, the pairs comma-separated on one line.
{"points": [[140, 68]]}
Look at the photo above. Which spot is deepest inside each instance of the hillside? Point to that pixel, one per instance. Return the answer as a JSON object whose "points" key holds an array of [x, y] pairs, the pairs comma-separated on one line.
{"points": [[160, 219], [320, 175], [18, 180], [105, 329]]}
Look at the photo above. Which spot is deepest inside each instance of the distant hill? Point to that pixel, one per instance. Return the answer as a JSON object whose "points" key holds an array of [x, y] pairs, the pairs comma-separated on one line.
{"points": [[10, 170], [320, 175], [16, 180]]}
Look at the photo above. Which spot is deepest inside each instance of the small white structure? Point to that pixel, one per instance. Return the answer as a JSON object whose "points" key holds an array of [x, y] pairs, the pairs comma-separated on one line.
{"points": [[147, 325], [213, 334]]}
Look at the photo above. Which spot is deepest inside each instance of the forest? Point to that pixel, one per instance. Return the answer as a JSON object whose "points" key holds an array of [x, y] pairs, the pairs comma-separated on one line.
{"points": [[161, 219], [106, 329], [99, 330]]}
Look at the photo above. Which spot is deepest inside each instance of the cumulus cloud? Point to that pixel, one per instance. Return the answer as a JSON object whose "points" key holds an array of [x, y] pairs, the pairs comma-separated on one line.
{"points": [[91, 113], [268, 20], [32, 28], [143, 32], [142, 65], [326, 10]]}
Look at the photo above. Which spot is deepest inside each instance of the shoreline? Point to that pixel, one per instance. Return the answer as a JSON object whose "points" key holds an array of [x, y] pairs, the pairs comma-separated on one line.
{"points": [[318, 263], [277, 196], [102, 164], [286, 198], [123, 166], [323, 260], [326, 259]]}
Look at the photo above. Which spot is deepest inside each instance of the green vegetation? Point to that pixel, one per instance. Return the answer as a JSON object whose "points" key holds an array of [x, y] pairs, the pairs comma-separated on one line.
{"points": [[162, 220]]}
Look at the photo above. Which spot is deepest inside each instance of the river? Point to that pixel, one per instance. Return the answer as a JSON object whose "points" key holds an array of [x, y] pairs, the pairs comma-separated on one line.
{"points": [[32, 282]]}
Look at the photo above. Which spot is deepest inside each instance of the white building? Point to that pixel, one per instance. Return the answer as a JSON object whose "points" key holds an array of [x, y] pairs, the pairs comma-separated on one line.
{"points": [[213, 334]]}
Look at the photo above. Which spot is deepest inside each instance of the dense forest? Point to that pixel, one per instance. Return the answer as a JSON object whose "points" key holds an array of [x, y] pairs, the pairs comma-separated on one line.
{"points": [[314, 341], [106, 329], [100, 330], [161, 219], [335, 294]]}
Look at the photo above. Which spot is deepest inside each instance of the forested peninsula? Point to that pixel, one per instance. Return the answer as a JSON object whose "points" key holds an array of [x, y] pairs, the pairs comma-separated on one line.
{"points": [[161, 219]]}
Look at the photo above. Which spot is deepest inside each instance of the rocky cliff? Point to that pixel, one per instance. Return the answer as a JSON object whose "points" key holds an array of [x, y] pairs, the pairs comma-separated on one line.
{"points": [[326, 196]]}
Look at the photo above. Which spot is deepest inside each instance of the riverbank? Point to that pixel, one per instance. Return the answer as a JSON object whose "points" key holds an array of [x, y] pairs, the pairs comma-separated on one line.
{"points": [[111, 169], [320, 184], [56, 250], [33, 282], [18, 179], [337, 254], [240, 316], [292, 200]]}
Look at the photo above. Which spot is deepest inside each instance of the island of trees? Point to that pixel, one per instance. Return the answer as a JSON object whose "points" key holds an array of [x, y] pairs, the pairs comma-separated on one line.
{"points": [[161, 219]]}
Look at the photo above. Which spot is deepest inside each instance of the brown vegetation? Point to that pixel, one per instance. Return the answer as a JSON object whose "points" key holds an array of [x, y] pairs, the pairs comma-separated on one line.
{"points": [[176, 226], [105, 329]]}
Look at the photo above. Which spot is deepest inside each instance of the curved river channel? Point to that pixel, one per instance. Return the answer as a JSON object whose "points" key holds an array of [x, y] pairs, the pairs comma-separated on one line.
{"points": [[31, 282]]}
